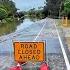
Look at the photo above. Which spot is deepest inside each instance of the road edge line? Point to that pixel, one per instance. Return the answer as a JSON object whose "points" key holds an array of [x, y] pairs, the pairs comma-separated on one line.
{"points": [[62, 48]]}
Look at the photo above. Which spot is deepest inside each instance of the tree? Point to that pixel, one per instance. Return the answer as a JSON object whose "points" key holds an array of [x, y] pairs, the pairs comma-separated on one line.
{"points": [[52, 8], [3, 14], [67, 7], [9, 6], [45, 11]]}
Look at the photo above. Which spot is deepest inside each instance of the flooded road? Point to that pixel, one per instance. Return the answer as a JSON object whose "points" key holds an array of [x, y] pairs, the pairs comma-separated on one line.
{"points": [[43, 30], [26, 23], [7, 38]]}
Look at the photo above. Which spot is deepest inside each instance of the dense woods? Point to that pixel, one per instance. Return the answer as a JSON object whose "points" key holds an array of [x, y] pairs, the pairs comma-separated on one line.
{"points": [[53, 9], [57, 8], [8, 11]]}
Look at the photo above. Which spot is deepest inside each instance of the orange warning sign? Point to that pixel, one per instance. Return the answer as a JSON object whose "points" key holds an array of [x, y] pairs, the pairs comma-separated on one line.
{"points": [[29, 51]]}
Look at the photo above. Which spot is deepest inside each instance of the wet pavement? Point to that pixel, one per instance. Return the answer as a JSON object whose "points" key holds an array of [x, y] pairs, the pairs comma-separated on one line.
{"points": [[54, 55]]}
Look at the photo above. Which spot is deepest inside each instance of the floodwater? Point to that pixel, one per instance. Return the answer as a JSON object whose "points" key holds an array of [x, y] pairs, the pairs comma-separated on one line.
{"points": [[30, 32], [13, 27], [26, 23], [10, 31]]}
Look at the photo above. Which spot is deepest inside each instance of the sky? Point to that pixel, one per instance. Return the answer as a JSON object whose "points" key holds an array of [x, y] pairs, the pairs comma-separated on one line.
{"points": [[28, 4]]}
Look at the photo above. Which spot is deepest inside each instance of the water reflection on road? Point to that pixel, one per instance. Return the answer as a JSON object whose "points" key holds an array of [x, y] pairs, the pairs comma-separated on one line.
{"points": [[7, 28], [26, 23]]}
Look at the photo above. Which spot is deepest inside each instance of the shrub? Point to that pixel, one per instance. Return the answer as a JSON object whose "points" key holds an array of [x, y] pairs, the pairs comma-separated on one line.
{"points": [[3, 14]]}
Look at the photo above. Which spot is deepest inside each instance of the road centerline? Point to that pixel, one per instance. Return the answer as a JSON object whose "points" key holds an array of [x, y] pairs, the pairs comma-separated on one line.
{"points": [[39, 32]]}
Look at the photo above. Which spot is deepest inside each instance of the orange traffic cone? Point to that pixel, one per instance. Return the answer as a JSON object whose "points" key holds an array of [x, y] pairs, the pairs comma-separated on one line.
{"points": [[44, 66], [18, 67]]}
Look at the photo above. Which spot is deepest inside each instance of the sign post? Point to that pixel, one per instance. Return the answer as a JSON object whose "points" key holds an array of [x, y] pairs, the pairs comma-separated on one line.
{"points": [[29, 51]]}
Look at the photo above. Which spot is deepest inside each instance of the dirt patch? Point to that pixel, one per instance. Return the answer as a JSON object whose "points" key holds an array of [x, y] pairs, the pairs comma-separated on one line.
{"points": [[68, 42]]}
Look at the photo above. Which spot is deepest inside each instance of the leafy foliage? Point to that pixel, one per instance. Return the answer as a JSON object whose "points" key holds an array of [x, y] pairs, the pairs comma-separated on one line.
{"points": [[35, 13], [8, 6], [67, 7], [3, 14]]}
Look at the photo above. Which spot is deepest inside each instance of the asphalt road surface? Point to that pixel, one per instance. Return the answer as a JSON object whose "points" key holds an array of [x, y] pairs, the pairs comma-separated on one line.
{"points": [[43, 30]]}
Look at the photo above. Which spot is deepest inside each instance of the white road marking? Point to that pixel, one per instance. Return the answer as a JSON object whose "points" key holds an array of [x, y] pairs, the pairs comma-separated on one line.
{"points": [[63, 50], [39, 32]]}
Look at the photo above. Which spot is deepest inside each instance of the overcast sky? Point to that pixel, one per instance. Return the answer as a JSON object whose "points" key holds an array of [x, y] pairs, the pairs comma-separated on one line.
{"points": [[28, 4]]}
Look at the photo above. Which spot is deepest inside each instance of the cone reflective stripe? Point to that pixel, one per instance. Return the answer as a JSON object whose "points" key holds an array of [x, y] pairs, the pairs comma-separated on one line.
{"points": [[44, 67], [22, 63], [18, 67]]}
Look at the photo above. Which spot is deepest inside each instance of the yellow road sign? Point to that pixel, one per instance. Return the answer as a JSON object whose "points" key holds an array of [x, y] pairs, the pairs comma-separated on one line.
{"points": [[29, 51]]}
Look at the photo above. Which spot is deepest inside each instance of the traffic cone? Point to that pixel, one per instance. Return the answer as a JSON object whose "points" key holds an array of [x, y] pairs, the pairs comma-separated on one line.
{"points": [[18, 67], [44, 66]]}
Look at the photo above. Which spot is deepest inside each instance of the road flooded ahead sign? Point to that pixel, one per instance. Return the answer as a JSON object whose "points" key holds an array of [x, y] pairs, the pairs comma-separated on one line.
{"points": [[29, 51]]}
